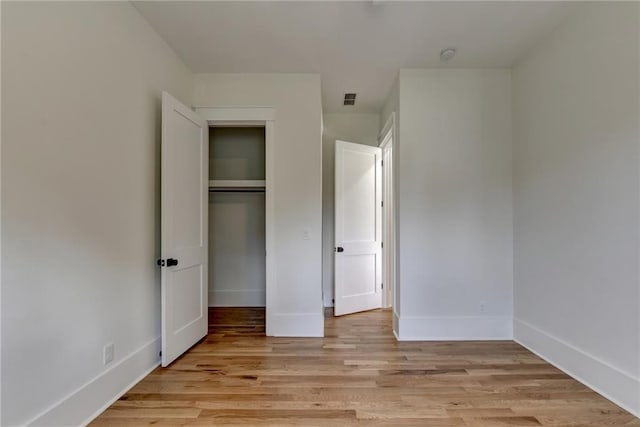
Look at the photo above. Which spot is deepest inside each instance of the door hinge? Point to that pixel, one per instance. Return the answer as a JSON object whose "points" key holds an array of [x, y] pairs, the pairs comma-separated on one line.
{"points": [[382, 245], [381, 285], [381, 162], [382, 203]]}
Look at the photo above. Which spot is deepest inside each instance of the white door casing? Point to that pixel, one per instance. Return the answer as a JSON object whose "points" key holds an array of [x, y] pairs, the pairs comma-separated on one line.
{"points": [[388, 221], [184, 215], [358, 228]]}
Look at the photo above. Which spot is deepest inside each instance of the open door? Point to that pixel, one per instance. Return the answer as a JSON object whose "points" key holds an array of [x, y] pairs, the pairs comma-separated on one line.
{"points": [[358, 228], [185, 164]]}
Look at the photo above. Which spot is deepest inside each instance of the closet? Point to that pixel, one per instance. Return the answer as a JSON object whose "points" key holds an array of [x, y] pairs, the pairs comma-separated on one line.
{"points": [[237, 270]]}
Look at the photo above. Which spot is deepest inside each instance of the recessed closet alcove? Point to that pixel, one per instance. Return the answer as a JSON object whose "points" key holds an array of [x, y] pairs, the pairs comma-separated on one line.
{"points": [[237, 275]]}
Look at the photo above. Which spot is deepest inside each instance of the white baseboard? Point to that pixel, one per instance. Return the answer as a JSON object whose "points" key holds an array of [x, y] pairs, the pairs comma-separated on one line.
{"points": [[458, 328], [240, 298], [620, 387], [295, 324], [395, 323], [87, 402]]}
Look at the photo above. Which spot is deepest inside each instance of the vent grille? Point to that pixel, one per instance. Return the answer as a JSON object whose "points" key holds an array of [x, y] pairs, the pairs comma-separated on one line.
{"points": [[349, 99]]}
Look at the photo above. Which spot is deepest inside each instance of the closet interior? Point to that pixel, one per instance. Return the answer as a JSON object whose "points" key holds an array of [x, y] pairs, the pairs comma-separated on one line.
{"points": [[237, 275]]}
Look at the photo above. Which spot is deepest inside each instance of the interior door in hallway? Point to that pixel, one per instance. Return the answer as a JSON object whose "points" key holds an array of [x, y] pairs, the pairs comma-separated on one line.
{"points": [[358, 228], [184, 192]]}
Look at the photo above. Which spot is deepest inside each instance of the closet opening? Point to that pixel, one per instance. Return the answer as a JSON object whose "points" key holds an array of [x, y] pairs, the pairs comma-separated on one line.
{"points": [[237, 229]]}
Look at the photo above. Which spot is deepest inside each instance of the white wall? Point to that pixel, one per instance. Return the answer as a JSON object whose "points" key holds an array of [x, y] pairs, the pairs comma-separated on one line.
{"points": [[80, 204], [577, 207], [359, 128], [455, 204], [236, 249], [298, 308]]}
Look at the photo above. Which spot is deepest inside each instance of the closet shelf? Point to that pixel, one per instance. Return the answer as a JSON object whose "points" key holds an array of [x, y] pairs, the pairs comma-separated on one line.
{"points": [[236, 184]]}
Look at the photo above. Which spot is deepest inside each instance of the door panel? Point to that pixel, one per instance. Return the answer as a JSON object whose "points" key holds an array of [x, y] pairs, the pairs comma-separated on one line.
{"points": [[360, 273], [358, 219], [185, 163], [359, 196], [187, 205], [186, 296]]}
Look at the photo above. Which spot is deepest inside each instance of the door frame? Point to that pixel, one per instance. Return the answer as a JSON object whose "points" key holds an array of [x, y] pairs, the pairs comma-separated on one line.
{"points": [[257, 116], [386, 140]]}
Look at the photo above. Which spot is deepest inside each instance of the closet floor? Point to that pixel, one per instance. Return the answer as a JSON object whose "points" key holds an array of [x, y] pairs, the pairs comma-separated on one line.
{"points": [[243, 321]]}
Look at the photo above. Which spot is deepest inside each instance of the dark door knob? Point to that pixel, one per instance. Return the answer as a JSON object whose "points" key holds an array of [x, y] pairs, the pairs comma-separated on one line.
{"points": [[171, 262], [339, 249]]}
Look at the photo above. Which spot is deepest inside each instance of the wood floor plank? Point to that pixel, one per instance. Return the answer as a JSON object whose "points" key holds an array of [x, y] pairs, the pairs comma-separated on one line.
{"points": [[357, 375]]}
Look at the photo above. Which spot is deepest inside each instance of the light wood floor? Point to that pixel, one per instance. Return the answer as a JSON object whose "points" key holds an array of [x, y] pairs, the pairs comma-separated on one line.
{"points": [[358, 375]]}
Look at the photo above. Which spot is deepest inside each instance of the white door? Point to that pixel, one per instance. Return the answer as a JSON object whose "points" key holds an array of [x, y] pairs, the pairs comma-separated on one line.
{"points": [[185, 174], [358, 227]]}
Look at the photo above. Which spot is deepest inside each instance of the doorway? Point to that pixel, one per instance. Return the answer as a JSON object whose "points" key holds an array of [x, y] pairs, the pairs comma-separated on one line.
{"points": [[241, 188], [237, 247], [364, 252]]}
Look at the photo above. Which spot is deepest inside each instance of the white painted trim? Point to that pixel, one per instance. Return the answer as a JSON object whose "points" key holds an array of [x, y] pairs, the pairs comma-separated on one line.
{"points": [[85, 403], [389, 125], [388, 220], [395, 334], [270, 226], [386, 139], [237, 183], [297, 325], [226, 116], [0, 225], [235, 124], [237, 298], [619, 386], [395, 323], [455, 328], [390, 130]]}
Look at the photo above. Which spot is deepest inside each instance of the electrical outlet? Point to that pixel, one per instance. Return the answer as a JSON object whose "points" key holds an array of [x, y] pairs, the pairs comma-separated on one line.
{"points": [[483, 307], [108, 353], [306, 235]]}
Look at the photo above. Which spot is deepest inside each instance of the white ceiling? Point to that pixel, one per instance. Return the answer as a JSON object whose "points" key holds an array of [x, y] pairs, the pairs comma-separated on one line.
{"points": [[355, 46]]}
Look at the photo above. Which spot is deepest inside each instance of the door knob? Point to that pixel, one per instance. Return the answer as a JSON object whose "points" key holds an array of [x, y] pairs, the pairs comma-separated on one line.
{"points": [[339, 249], [172, 262]]}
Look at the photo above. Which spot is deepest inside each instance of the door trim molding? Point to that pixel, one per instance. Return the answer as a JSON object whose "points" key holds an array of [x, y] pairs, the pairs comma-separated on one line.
{"points": [[389, 125], [237, 116], [388, 219]]}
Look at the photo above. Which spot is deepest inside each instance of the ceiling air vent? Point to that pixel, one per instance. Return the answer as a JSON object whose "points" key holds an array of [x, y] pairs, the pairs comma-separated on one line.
{"points": [[349, 99]]}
